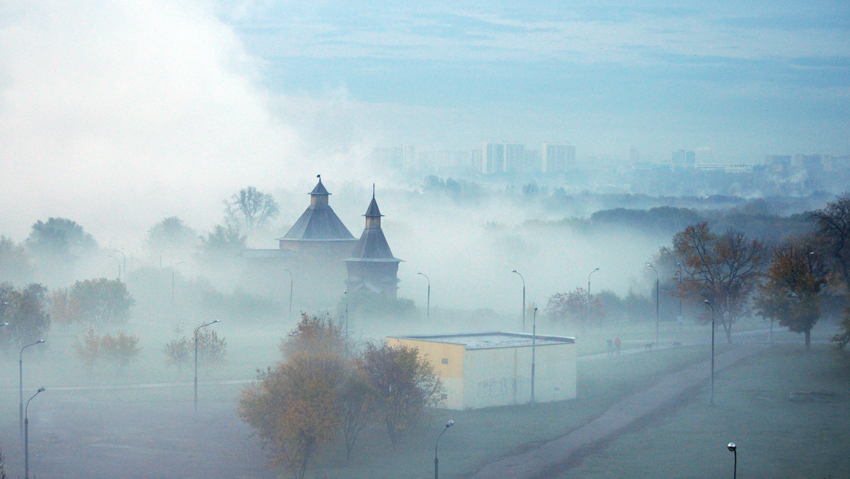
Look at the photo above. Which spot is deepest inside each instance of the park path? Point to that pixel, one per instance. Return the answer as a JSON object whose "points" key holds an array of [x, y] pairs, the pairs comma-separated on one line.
{"points": [[558, 453]]}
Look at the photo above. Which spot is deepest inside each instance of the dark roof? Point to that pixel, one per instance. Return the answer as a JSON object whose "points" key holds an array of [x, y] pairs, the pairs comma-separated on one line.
{"points": [[373, 246], [318, 222], [319, 190], [373, 210]]}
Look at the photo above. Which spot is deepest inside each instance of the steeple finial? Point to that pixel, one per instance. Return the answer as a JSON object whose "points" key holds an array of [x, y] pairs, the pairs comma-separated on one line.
{"points": [[373, 190]]}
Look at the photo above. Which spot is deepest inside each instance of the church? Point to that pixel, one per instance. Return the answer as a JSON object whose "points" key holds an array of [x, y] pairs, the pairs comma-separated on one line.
{"points": [[323, 259]]}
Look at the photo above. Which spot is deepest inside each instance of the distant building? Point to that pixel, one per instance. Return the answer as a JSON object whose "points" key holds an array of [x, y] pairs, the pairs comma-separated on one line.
{"points": [[372, 266], [409, 161], [324, 258], [493, 158], [494, 369], [387, 158], [634, 155], [778, 163], [515, 158], [557, 158], [684, 159]]}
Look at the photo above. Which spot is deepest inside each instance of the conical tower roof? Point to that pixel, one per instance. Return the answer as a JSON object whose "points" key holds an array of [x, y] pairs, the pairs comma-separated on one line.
{"points": [[318, 222], [373, 245]]}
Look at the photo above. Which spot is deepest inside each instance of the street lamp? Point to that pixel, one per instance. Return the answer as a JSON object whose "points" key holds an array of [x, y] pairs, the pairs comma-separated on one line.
{"points": [[27, 435], [3, 324], [429, 294], [196, 359], [345, 295], [119, 265], [436, 460], [125, 264], [523, 299], [712, 349], [291, 280], [533, 348], [734, 449], [587, 312], [656, 300], [21, 385]]}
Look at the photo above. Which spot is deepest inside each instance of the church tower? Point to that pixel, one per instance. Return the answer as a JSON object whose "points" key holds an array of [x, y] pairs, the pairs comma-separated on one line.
{"points": [[372, 267]]}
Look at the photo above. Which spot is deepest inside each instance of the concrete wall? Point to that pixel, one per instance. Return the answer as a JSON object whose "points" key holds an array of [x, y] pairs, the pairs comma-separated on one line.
{"points": [[448, 363]]}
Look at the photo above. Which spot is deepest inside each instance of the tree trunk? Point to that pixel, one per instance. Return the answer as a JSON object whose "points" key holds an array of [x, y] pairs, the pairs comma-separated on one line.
{"points": [[808, 339]]}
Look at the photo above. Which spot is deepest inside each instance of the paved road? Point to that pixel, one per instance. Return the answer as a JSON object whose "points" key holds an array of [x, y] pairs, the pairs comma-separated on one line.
{"points": [[558, 454]]}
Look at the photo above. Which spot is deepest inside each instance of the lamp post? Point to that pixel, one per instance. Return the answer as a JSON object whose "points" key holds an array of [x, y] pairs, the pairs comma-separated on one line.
{"points": [[523, 299], [21, 385], [196, 359], [172, 282], [436, 460], [429, 294], [119, 265], [533, 350], [712, 349], [734, 449], [125, 264], [587, 311], [345, 295], [27, 434], [656, 300], [291, 281]]}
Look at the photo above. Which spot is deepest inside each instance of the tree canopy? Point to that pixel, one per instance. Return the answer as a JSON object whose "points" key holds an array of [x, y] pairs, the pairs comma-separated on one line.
{"points": [[102, 300], [250, 208]]}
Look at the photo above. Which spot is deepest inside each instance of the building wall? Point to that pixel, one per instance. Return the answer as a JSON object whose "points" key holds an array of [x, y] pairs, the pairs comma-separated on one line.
{"points": [[447, 360], [480, 378]]}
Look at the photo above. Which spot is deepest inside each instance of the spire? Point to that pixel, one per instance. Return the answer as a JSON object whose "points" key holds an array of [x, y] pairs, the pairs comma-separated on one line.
{"points": [[320, 188], [373, 211]]}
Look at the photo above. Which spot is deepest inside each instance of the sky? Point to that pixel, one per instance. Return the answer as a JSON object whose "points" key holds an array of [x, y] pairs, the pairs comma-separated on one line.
{"points": [[106, 105]]}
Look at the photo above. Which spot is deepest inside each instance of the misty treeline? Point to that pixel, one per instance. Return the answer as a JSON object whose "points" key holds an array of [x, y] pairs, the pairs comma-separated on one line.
{"points": [[725, 275], [325, 389]]}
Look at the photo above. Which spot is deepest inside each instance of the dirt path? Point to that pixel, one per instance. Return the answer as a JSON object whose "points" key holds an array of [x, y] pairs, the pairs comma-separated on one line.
{"points": [[559, 453]]}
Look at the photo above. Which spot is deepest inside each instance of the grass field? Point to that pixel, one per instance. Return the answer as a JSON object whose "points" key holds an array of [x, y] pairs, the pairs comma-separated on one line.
{"points": [[752, 408]]}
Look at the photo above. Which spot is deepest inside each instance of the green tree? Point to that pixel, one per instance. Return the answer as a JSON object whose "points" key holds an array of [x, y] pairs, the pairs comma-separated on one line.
{"points": [[222, 242], [15, 266], [723, 269], [102, 301], [26, 312], [791, 294], [60, 238], [171, 233], [404, 383], [250, 208]]}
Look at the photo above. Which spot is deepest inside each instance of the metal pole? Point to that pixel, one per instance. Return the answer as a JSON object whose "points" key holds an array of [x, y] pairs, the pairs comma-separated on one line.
{"points": [[587, 309], [345, 293], [27, 436], [436, 445], [712, 349], [656, 299], [21, 387], [196, 359], [533, 350]]}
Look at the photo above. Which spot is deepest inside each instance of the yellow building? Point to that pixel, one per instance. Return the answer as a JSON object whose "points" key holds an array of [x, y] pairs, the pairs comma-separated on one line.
{"points": [[494, 369]]}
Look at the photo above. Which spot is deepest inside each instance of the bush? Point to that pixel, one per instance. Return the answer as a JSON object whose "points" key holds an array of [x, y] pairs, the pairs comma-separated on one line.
{"points": [[120, 349]]}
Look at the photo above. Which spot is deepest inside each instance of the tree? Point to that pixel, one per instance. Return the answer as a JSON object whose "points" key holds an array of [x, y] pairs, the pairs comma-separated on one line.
{"points": [[295, 405], [171, 232], [222, 241], [178, 351], [357, 404], [102, 301], [63, 308], [250, 208], [404, 384], [14, 262], [60, 238], [792, 293], [722, 269], [571, 305], [833, 225], [121, 349], [211, 349], [26, 312]]}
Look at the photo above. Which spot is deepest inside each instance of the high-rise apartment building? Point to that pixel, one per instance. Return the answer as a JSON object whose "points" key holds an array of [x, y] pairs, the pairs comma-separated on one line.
{"points": [[684, 159], [558, 158], [493, 158]]}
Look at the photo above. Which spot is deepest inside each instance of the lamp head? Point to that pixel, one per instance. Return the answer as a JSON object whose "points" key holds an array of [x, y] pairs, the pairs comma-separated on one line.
{"points": [[450, 423], [216, 321], [4, 324], [39, 341], [40, 390], [706, 301], [513, 271], [732, 446]]}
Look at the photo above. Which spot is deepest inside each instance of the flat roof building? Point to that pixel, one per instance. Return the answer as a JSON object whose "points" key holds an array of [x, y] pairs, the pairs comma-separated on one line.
{"points": [[494, 368]]}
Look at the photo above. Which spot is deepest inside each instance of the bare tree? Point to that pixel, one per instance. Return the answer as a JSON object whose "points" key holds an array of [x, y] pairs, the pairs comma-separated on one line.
{"points": [[250, 208], [723, 269]]}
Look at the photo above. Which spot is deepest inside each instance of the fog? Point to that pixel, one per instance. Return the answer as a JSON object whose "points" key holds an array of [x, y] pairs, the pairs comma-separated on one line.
{"points": [[118, 115]]}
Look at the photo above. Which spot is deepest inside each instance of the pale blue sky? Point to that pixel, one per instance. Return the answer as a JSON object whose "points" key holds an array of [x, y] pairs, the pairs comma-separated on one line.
{"points": [[742, 78]]}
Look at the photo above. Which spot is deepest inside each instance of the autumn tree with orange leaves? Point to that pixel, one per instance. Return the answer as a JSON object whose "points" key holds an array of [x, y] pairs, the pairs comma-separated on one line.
{"points": [[723, 269], [792, 293]]}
